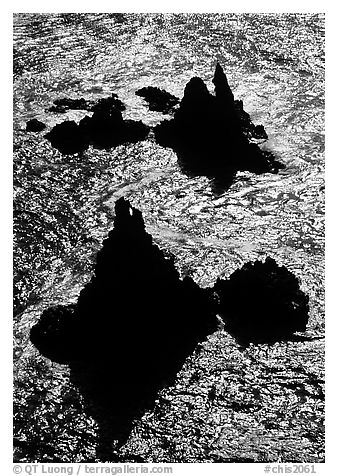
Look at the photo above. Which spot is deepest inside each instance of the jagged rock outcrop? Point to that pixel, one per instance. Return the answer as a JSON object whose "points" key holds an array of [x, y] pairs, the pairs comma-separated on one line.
{"points": [[136, 322], [109, 103], [212, 134], [136, 300], [35, 126], [158, 99], [65, 104], [135, 311], [106, 128], [262, 302]]}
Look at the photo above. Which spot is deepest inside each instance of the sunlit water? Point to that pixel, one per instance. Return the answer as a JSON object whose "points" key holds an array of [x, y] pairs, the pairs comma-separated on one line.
{"points": [[64, 207]]}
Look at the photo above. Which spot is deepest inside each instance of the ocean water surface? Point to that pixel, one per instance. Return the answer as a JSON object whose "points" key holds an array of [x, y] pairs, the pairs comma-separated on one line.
{"points": [[260, 403]]}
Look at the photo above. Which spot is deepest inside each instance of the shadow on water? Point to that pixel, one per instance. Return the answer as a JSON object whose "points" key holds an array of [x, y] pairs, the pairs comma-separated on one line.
{"points": [[221, 178], [132, 328], [117, 393], [136, 322]]}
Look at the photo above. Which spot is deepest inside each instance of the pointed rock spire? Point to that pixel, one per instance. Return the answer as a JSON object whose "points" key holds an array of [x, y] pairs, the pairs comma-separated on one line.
{"points": [[135, 307], [224, 95]]}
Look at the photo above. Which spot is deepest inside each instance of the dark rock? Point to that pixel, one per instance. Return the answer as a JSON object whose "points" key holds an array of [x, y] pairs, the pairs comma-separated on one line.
{"points": [[158, 99], [54, 334], [136, 322], [68, 138], [262, 302], [135, 311], [64, 104], [211, 134], [108, 104], [135, 130], [129, 333], [104, 104], [105, 129], [35, 126], [225, 102], [132, 328]]}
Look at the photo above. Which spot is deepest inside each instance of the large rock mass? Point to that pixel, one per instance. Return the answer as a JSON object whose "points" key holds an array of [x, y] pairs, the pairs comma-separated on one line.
{"points": [[212, 134], [262, 302], [105, 129], [68, 138], [136, 322], [135, 311]]}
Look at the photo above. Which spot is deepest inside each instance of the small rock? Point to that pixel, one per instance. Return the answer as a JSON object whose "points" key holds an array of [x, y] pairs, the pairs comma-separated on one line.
{"points": [[64, 104], [68, 138], [158, 99], [35, 126]]}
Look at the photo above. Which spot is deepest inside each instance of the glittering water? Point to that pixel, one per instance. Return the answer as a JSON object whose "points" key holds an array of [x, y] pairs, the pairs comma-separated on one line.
{"points": [[63, 208]]}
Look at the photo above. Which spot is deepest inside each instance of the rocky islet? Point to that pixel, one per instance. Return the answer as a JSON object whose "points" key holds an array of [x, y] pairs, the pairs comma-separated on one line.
{"points": [[137, 297], [137, 318], [211, 134]]}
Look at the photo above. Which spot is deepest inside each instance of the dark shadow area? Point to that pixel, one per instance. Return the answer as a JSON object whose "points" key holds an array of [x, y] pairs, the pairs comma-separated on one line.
{"points": [[35, 126], [213, 136], [105, 129], [262, 302], [158, 99], [63, 105], [68, 138], [136, 322], [132, 328]]}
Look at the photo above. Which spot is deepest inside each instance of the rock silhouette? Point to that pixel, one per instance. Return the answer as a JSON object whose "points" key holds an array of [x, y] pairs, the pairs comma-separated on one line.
{"points": [[136, 322], [106, 128], [135, 300], [35, 126], [131, 329], [158, 99], [68, 138], [55, 333], [64, 104], [262, 302], [212, 134], [107, 104]]}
